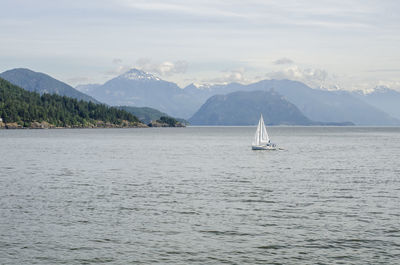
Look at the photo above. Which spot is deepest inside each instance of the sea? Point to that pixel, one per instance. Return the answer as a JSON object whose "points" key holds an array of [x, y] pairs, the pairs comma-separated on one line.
{"points": [[200, 195]]}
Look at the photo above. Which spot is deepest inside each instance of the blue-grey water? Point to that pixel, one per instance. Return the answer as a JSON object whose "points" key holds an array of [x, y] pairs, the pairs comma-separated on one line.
{"points": [[200, 196]]}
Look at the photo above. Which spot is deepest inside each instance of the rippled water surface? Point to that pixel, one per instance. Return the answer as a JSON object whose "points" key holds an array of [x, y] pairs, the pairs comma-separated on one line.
{"points": [[200, 196]]}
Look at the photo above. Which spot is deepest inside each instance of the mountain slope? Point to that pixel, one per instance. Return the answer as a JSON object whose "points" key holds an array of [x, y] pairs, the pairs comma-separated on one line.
{"points": [[42, 83], [244, 108], [146, 114], [25, 108]]}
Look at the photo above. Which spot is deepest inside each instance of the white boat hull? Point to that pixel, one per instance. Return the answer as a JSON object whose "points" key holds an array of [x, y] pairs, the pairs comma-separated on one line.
{"points": [[263, 147]]}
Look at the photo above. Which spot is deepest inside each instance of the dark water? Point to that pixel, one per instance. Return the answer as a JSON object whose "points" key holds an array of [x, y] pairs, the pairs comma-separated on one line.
{"points": [[200, 196]]}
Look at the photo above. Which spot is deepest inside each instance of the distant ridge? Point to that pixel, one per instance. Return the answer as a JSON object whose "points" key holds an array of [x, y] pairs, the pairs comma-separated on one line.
{"points": [[43, 83]]}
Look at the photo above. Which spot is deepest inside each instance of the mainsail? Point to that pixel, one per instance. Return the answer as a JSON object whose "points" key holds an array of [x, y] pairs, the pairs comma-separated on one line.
{"points": [[261, 137]]}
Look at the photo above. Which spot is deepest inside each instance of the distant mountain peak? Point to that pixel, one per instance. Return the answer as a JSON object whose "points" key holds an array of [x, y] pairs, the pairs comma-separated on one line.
{"points": [[135, 74], [201, 86], [374, 91], [381, 89]]}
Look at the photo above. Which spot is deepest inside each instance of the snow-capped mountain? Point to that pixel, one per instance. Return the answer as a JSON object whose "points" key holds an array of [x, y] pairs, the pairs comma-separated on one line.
{"points": [[135, 74], [384, 98], [141, 89]]}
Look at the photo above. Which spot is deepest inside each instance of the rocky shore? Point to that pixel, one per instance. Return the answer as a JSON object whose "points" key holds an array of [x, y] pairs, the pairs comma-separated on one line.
{"points": [[163, 124], [46, 125]]}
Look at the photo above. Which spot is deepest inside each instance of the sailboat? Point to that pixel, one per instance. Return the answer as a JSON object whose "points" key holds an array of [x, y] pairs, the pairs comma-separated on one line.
{"points": [[261, 138]]}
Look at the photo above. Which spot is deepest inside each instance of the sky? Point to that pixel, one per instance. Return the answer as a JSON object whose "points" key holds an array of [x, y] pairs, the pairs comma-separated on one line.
{"points": [[352, 44]]}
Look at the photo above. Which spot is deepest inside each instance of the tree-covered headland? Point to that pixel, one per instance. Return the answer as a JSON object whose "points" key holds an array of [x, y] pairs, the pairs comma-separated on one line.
{"points": [[25, 108]]}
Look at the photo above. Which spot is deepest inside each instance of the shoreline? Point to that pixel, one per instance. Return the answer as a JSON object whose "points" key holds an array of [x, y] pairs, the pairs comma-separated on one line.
{"points": [[46, 125], [98, 125]]}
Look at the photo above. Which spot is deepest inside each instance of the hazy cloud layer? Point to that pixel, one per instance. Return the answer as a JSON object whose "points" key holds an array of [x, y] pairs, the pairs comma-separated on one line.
{"points": [[283, 61], [67, 38], [117, 61], [229, 76], [394, 84]]}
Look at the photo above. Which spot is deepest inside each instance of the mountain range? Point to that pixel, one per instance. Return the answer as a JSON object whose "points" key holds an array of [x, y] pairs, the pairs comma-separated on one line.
{"points": [[136, 88], [139, 88]]}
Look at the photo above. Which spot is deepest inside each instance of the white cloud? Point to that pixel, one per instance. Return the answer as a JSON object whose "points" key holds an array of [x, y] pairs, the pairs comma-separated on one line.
{"points": [[320, 78], [390, 84], [316, 78], [165, 68], [120, 69], [230, 76]]}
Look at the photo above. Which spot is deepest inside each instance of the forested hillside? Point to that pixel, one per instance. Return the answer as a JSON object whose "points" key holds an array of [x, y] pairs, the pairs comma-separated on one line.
{"points": [[23, 107], [146, 115]]}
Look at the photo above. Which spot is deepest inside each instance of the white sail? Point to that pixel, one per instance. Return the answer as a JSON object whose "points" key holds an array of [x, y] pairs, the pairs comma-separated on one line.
{"points": [[261, 137]]}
